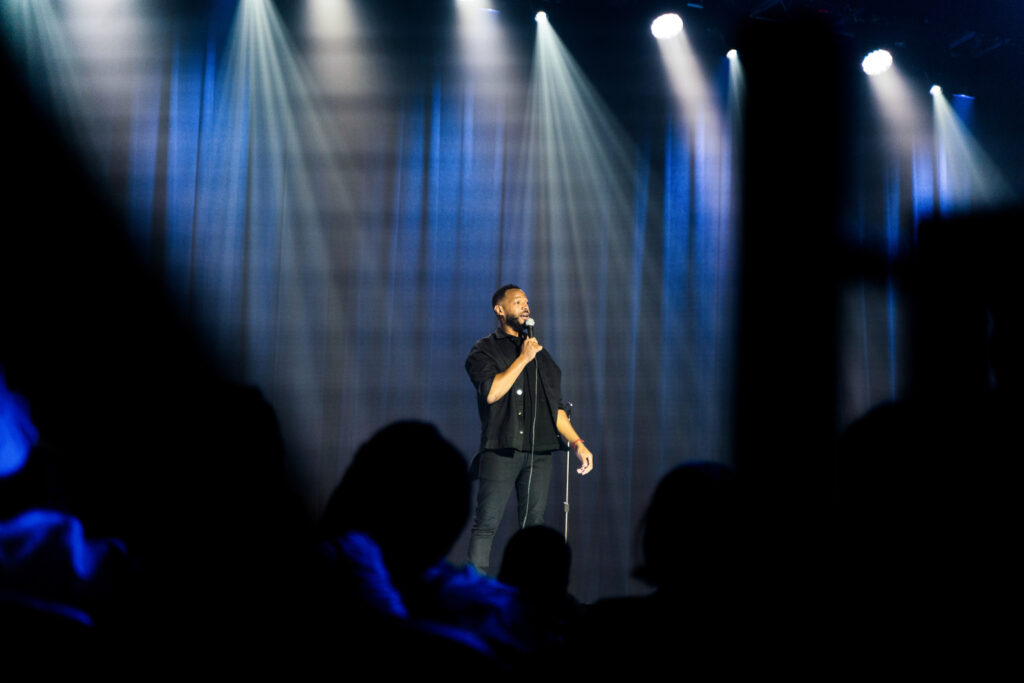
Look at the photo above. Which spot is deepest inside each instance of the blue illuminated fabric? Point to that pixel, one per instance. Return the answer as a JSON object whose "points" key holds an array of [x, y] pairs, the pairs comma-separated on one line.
{"points": [[17, 433], [47, 563]]}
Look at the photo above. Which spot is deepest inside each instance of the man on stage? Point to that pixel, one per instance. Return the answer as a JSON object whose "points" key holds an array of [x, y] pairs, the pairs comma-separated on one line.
{"points": [[519, 398]]}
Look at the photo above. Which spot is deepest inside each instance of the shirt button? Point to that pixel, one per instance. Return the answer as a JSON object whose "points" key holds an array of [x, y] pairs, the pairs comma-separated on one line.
{"points": [[519, 392], [520, 431], [520, 413]]}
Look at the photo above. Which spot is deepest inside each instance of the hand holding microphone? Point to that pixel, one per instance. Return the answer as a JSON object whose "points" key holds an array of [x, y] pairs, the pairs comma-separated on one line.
{"points": [[531, 347]]}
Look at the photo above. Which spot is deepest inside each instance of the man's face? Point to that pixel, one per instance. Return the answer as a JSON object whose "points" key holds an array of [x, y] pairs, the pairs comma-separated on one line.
{"points": [[514, 309]]}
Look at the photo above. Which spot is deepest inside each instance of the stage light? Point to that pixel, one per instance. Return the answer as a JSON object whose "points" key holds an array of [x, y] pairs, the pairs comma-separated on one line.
{"points": [[666, 26], [935, 90], [732, 54], [876, 62], [540, 16], [966, 177]]}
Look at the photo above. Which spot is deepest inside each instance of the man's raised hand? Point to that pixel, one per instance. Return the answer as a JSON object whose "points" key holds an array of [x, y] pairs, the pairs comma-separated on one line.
{"points": [[531, 347]]}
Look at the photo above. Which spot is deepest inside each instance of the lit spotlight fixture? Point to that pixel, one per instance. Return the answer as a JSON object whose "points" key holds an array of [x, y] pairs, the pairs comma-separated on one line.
{"points": [[935, 90], [540, 16], [876, 62], [732, 54], [666, 26]]}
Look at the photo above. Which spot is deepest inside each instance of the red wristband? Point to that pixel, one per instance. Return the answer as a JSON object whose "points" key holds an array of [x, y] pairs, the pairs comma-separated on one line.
{"points": [[577, 441]]}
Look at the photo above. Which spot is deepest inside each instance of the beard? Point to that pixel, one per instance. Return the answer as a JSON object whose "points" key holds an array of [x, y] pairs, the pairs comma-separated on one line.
{"points": [[515, 323]]}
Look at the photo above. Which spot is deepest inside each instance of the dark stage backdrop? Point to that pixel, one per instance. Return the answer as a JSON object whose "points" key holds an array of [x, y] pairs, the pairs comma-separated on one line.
{"points": [[332, 205]]}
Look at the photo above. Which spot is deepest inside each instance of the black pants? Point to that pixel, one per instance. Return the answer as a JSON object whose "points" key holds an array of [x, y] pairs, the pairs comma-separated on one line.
{"points": [[498, 473]]}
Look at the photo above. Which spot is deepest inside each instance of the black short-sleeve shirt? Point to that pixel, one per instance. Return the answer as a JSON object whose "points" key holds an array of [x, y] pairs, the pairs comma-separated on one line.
{"points": [[507, 423]]}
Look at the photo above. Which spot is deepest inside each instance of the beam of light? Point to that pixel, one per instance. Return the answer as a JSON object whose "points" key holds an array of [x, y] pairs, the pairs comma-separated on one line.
{"points": [[484, 51], [40, 41], [737, 83], [333, 40], [666, 26], [967, 177], [700, 212], [688, 81], [540, 16], [331, 19], [902, 110], [270, 185], [963, 107], [95, 66], [573, 201], [572, 206], [735, 104], [935, 90], [923, 182], [732, 54], [876, 62]]}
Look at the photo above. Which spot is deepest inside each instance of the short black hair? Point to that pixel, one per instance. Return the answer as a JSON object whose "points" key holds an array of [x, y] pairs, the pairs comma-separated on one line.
{"points": [[500, 294]]}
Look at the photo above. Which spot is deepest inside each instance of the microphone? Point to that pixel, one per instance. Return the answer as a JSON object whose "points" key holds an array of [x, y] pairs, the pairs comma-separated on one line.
{"points": [[529, 327]]}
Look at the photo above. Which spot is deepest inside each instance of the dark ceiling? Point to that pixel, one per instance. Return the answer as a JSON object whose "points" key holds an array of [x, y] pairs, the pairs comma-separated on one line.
{"points": [[963, 41]]}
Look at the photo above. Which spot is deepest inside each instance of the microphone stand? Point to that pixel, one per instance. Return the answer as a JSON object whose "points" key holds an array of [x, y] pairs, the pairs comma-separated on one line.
{"points": [[568, 454]]}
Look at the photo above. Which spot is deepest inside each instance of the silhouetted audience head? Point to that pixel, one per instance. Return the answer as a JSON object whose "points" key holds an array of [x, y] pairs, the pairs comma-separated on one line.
{"points": [[691, 525], [408, 489], [536, 561]]}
